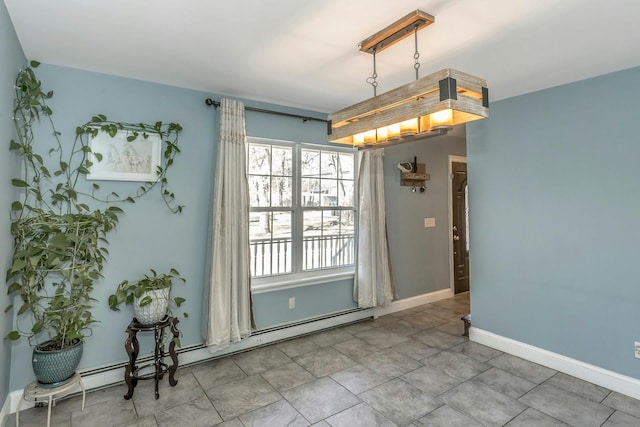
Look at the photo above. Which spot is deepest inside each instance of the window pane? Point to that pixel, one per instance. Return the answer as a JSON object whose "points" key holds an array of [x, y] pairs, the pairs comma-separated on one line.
{"points": [[329, 164], [281, 192], [282, 225], [329, 189], [259, 161], [311, 239], [310, 162], [310, 192], [330, 223], [312, 223], [281, 161], [270, 242], [259, 191], [345, 193], [328, 239], [345, 166], [347, 222]]}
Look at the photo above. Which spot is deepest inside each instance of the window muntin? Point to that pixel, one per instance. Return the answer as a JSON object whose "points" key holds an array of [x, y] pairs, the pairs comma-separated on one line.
{"points": [[302, 215]]}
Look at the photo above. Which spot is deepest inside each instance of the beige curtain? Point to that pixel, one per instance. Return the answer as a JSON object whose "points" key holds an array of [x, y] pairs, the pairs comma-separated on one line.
{"points": [[372, 284], [230, 287]]}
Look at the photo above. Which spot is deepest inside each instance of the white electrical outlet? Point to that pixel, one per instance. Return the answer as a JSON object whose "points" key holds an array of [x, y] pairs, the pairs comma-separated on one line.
{"points": [[429, 222], [292, 303], [636, 348]]}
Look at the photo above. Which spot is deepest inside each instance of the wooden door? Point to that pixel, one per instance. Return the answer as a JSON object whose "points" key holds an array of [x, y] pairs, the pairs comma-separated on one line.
{"points": [[460, 216]]}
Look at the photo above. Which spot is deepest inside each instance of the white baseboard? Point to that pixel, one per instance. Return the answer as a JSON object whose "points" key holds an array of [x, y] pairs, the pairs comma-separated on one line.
{"points": [[602, 377], [113, 376], [407, 303]]}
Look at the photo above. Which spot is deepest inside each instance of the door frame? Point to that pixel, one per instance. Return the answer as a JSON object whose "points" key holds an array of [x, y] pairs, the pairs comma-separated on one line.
{"points": [[452, 159]]}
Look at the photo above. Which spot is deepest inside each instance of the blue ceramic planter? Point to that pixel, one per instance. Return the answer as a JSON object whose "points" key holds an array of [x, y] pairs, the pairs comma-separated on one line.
{"points": [[54, 367]]}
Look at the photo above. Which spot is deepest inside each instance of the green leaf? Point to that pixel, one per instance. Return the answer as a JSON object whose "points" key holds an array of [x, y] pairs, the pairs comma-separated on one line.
{"points": [[146, 301], [98, 156], [179, 301], [14, 145], [16, 206], [113, 303], [18, 264], [19, 183], [23, 309], [60, 240], [13, 288], [9, 308], [37, 327], [13, 335]]}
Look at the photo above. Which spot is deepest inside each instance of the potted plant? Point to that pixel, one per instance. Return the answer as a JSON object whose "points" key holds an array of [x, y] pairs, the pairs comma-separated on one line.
{"points": [[150, 296], [60, 242]]}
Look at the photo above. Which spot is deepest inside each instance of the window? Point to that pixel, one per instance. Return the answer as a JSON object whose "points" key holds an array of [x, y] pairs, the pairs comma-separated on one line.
{"points": [[302, 211]]}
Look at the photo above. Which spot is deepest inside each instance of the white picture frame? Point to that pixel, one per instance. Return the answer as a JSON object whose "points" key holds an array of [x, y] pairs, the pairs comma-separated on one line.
{"points": [[122, 160]]}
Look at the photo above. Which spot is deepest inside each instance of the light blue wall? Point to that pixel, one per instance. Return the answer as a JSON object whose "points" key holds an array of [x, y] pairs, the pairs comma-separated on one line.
{"points": [[554, 207], [272, 308], [11, 58], [148, 235], [419, 255]]}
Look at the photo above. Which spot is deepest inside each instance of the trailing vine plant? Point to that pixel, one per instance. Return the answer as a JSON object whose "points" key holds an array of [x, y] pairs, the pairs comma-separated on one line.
{"points": [[60, 244]]}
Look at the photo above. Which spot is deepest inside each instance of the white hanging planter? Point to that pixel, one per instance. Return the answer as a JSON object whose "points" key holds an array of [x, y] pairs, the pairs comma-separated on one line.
{"points": [[156, 310]]}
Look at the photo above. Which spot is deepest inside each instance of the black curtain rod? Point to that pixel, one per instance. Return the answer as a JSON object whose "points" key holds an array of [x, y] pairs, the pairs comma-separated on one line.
{"points": [[212, 103]]}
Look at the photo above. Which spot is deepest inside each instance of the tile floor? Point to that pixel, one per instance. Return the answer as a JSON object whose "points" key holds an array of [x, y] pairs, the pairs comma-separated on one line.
{"points": [[411, 368]]}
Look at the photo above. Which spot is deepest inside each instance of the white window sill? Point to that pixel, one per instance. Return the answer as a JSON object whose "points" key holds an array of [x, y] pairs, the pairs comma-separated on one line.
{"points": [[278, 283]]}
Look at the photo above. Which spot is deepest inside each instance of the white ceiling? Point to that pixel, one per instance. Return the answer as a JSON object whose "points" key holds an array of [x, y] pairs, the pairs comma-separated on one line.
{"points": [[303, 53]]}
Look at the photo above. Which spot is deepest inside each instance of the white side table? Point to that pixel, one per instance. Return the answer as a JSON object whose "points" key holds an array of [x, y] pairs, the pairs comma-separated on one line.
{"points": [[37, 392]]}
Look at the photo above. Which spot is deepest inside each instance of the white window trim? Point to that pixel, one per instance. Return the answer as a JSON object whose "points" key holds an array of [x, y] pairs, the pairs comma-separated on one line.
{"points": [[295, 280], [313, 277]]}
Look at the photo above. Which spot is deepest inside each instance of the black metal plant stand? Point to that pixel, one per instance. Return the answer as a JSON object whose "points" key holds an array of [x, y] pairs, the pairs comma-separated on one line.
{"points": [[132, 372]]}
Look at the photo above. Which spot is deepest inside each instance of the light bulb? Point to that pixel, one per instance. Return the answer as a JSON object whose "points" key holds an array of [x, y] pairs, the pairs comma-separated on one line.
{"points": [[409, 127], [393, 131], [370, 136], [442, 118], [382, 134]]}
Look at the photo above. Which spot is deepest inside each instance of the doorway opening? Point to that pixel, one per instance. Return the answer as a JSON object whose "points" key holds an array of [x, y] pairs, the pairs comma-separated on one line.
{"points": [[458, 225]]}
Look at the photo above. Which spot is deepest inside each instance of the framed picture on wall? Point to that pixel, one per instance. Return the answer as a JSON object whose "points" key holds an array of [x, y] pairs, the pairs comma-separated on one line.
{"points": [[122, 160]]}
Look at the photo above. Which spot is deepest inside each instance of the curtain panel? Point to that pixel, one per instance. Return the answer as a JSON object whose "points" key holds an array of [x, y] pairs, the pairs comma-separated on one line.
{"points": [[230, 317], [372, 284]]}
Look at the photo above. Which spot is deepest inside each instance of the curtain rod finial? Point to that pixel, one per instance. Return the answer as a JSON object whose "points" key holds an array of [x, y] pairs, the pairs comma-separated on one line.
{"points": [[210, 102]]}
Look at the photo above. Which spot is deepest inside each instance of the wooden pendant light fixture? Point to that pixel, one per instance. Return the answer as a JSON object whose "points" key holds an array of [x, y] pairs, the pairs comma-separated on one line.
{"points": [[427, 107]]}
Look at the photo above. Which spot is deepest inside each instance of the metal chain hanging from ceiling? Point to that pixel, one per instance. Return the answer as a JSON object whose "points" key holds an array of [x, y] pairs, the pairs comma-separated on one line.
{"points": [[416, 55], [372, 79]]}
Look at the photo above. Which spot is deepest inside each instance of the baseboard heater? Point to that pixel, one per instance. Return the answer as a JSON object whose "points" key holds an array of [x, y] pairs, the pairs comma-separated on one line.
{"points": [[324, 323]]}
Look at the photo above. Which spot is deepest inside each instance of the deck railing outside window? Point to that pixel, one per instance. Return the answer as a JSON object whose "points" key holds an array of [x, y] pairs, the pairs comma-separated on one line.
{"points": [[274, 256]]}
